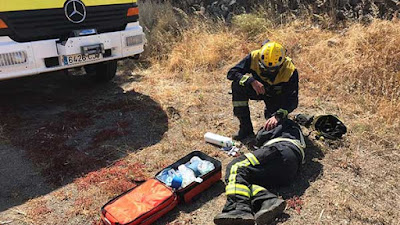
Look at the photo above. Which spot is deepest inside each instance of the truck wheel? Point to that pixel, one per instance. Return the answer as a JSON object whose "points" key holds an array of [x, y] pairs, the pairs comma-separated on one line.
{"points": [[102, 72]]}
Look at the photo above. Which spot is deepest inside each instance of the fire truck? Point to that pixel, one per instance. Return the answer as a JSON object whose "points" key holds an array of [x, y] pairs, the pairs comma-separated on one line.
{"points": [[38, 36]]}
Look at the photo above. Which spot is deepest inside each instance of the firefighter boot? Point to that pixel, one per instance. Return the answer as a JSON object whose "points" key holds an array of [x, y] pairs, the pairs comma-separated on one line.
{"points": [[237, 211], [270, 209], [267, 207], [234, 217], [245, 129]]}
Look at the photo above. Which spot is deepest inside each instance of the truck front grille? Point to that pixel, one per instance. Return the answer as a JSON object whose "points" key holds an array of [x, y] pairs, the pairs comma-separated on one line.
{"points": [[44, 24]]}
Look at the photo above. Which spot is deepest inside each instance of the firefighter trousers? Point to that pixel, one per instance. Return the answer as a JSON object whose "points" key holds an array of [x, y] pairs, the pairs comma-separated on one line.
{"points": [[248, 175], [241, 96]]}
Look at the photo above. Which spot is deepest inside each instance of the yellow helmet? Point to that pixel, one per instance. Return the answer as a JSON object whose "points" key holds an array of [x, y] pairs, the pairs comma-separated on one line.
{"points": [[272, 55]]}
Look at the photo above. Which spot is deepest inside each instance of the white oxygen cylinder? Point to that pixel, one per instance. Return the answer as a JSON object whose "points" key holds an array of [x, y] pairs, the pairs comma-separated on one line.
{"points": [[218, 140]]}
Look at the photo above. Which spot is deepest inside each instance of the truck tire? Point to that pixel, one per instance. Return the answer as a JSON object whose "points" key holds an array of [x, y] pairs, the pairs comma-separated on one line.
{"points": [[102, 72]]}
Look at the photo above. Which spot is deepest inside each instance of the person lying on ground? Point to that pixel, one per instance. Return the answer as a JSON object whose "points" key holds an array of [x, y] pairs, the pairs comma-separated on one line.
{"points": [[276, 162]]}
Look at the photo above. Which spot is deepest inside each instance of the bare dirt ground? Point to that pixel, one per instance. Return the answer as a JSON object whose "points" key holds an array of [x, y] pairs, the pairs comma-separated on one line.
{"points": [[68, 145], [56, 128]]}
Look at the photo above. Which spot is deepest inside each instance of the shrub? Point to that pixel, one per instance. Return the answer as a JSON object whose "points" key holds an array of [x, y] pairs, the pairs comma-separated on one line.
{"points": [[251, 24], [162, 24]]}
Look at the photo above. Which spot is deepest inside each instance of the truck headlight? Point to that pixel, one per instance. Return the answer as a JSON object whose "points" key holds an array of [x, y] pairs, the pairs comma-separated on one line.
{"points": [[134, 40], [13, 58]]}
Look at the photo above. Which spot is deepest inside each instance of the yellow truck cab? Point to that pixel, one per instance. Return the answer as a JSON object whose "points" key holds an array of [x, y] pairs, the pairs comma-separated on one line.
{"points": [[38, 36]]}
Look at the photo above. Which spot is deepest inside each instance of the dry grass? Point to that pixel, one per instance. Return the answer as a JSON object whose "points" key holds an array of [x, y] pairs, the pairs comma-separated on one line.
{"points": [[362, 61], [202, 50]]}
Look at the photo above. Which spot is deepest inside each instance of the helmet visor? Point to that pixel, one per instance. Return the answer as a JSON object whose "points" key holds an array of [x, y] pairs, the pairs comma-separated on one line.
{"points": [[272, 69]]}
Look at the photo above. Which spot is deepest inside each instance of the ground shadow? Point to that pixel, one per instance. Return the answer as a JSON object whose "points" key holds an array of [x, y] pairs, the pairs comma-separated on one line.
{"points": [[55, 128]]}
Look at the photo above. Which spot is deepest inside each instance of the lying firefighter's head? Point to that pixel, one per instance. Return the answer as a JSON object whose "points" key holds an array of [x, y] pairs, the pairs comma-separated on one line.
{"points": [[272, 56]]}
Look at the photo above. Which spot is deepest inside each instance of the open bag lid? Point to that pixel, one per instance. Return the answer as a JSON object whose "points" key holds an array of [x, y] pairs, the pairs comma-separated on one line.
{"points": [[138, 203]]}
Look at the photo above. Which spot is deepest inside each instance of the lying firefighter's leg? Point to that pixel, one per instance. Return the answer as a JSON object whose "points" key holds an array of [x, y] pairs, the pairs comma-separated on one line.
{"points": [[266, 205], [237, 210], [279, 163], [240, 100], [270, 165], [278, 166]]}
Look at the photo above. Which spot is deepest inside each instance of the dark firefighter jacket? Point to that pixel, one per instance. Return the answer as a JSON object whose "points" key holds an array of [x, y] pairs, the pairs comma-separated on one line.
{"points": [[287, 131], [285, 85]]}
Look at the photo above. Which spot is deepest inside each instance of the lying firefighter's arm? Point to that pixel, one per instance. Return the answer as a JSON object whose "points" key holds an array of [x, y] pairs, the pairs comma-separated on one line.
{"points": [[292, 97], [238, 72]]}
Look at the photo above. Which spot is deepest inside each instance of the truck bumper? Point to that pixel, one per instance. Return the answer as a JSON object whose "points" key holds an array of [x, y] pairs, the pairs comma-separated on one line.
{"points": [[30, 58]]}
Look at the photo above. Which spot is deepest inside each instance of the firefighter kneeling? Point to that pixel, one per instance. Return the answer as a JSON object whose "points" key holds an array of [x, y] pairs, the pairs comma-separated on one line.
{"points": [[275, 162], [274, 79]]}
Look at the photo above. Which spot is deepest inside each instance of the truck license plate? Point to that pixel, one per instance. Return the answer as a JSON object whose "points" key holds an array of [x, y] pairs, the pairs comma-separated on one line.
{"points": [[79, 58]]}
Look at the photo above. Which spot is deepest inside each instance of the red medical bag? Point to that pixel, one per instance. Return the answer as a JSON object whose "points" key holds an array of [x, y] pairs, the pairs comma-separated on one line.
{"points": [[144, 204]]}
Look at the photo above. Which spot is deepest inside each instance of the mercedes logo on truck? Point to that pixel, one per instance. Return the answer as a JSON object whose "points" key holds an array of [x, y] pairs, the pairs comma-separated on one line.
{"points": [[75, 11]]}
